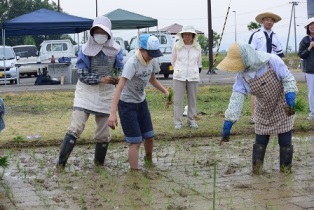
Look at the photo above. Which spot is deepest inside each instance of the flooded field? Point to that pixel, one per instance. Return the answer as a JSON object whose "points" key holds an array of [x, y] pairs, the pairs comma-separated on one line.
{"points": [[189, 174]]}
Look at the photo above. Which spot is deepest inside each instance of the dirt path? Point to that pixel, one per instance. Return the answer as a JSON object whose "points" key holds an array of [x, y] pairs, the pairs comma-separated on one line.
{"points": [[182, 179]]}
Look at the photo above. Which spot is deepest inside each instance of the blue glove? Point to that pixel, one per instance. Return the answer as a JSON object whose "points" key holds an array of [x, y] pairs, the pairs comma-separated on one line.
{"points": [[226, 129], [290, 99]]}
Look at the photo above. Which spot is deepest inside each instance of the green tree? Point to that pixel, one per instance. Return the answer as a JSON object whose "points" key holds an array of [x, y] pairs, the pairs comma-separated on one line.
{"points": [[216, 39], [253, 26], [203, 41], [29, 40]]}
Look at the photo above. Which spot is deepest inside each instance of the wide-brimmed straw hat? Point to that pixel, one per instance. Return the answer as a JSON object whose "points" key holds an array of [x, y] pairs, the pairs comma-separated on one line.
{"points": [[309, 21], [259, 18], [233, 61]]}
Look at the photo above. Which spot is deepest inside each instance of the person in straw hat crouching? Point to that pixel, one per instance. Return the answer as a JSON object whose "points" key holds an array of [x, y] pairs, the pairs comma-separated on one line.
{"points": [[268, 78], [265, 39]]}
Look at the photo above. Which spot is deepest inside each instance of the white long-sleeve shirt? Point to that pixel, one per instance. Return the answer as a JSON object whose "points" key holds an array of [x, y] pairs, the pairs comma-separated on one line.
{"points": [[186, 62], [259, 41]]}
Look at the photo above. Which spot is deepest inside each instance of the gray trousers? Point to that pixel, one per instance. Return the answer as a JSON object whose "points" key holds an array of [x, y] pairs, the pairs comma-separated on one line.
{"points": [[78, 121], [179, 89]]}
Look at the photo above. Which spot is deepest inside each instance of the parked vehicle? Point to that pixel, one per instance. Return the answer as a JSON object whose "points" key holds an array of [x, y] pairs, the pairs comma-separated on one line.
{"points": [[8, 59], [123, 43], [27, 54], [165, 47], [56, 48]]}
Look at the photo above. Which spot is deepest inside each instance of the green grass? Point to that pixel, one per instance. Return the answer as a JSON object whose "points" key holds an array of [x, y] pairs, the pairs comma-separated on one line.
{"points": [[48, 114]]}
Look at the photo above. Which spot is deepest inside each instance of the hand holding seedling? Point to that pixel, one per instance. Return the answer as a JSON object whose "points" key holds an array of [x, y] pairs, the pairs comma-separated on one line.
{"points": [[116, 76], [169, 98], [289, 111], [109, 80], [290, 100]]}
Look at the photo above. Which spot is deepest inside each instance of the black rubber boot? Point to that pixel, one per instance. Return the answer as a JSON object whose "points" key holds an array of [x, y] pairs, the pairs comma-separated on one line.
{"points": [[258, 158], [286, 154], [66, 149], [100, 153]]}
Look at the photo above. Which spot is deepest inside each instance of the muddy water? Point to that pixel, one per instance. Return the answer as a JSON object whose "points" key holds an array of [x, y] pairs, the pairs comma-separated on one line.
{"points": [[184, 178]]}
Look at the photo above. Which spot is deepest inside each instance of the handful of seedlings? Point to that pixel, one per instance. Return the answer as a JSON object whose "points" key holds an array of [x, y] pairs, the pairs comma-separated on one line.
{"points": [[289, 110], [169, 98], [116, 74]]}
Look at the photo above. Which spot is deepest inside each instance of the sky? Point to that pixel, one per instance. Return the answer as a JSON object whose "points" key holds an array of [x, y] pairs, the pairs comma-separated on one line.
{"points": [[195, 13]]}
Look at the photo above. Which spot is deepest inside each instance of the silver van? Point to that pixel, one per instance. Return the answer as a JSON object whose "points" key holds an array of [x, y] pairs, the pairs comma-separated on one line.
{"points": [[28, 55]]}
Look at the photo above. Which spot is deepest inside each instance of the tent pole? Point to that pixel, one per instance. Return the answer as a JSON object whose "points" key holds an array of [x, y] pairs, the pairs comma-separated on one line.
{"points": [[3, 42], [158, 32]]}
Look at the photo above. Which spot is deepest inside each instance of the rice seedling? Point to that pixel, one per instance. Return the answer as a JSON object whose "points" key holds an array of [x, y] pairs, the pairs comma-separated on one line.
{"points": [[4, 162], [169, 98], [18, 165], [25, 173], [82, 201]]}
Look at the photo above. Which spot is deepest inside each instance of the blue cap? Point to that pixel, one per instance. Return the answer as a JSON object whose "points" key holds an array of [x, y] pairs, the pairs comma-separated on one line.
{"points": [[151, 44], [2, 111]]}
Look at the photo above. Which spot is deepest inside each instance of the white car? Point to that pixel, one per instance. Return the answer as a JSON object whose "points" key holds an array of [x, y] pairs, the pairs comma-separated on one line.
{"points": [[8, 59], [28, 55]]}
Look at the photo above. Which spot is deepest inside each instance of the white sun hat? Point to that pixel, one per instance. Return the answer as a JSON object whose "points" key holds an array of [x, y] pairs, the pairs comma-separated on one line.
{"points": [[309, 21]]}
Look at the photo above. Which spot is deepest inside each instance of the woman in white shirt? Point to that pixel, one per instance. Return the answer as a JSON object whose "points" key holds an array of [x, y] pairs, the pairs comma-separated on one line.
{"points": [[186, 60]]}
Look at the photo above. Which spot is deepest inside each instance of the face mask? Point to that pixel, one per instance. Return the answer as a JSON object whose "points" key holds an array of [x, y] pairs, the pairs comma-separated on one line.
{"points": [[101, 38]]}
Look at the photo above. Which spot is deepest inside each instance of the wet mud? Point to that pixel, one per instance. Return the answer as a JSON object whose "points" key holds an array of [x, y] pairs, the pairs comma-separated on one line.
{"points": [[188, 174]]}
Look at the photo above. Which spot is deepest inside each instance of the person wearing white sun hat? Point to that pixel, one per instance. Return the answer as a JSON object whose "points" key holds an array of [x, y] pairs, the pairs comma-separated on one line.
{"points": [[97, 62], [267, 77], [187, 62], [265, 39], [306, 52]]}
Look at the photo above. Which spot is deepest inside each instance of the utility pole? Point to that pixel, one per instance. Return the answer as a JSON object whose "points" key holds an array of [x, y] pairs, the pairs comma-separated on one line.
{"points": [[294, 3], [235, 26], [210, 38], [58, 5], [96, 8]]}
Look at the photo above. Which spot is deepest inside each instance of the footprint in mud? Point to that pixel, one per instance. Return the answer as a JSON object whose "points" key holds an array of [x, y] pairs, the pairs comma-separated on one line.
{"points": [[151, 175], [206, 163], [243, 186], [183, 193], [231, 168], [172, 207]]}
